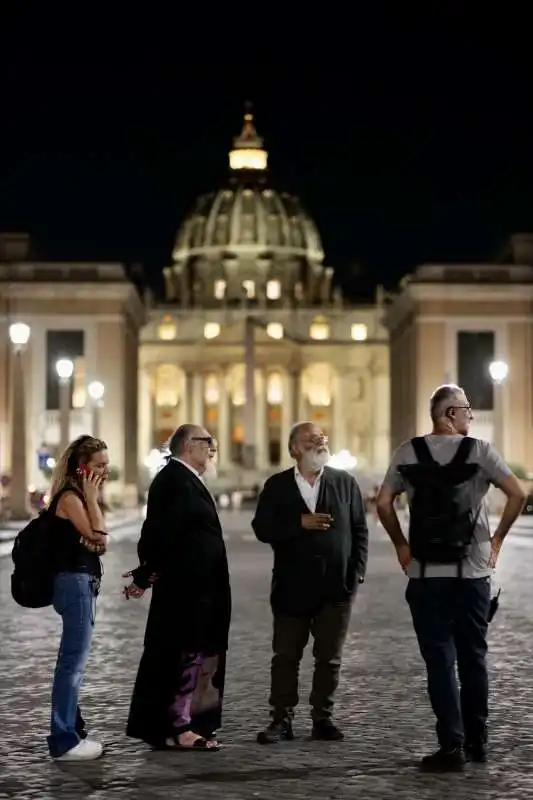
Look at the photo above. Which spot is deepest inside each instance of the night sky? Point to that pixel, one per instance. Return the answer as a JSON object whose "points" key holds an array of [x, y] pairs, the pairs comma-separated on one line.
{"points": [[408, 138]]}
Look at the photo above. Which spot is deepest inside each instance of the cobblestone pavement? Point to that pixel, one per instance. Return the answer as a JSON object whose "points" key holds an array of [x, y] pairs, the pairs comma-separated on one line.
{"points": [[381, 705]]}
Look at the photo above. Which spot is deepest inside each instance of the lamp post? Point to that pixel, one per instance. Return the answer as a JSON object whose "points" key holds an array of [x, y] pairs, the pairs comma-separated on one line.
{"points": [[96, 391], [498, 371], [64, 369], [19, 334]]}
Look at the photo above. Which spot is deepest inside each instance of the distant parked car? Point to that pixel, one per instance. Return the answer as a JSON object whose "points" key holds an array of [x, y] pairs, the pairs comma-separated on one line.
{"points": [[528, 508]]}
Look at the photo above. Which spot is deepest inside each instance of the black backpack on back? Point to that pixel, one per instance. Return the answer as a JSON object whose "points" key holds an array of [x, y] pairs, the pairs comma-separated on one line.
{"points": [[442, 523], [32, 581]]}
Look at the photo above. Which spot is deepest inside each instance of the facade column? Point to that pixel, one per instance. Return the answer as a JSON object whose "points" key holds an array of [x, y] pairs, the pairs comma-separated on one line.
{"points": [[290, 411], [146, 420], [224, 440], [263, 461], [381, 422], [189, 397], [197, 417], [339, 438]]}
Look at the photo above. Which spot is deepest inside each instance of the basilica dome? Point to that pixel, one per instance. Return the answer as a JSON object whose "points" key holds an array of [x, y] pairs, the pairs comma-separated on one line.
{"points": [[245, 232]]}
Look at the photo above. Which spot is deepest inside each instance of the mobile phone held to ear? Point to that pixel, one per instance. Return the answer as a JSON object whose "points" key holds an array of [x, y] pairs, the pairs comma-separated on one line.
{"points": [[84, 470]]}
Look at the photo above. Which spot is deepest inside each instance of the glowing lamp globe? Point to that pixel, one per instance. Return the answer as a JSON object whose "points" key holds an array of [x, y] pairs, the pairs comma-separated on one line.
{"points": [[96, 390], [498, 371], [19, 333], [64, 369]]}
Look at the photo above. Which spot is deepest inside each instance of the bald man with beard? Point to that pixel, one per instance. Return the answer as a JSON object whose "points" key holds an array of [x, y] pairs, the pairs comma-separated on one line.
{"points": [[314, 519]]}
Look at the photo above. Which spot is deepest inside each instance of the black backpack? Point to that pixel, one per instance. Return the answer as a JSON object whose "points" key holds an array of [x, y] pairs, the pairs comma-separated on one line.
{"points": [[442, 523], [32, 581]]}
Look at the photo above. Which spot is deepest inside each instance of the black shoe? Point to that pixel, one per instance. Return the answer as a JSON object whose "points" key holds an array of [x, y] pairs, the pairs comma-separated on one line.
{"points": [[476, 752], [277, 731], [444, 761], [325, 730]]}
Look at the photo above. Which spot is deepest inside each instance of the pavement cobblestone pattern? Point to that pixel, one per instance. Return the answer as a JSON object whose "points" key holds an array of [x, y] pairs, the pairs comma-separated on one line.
{"points": [[381, 705]]}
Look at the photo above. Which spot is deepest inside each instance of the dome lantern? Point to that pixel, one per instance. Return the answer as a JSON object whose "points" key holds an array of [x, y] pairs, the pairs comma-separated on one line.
{"points": [[248, 152]]}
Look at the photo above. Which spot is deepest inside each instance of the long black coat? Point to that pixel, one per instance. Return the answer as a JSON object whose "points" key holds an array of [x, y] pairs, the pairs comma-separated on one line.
{"points": [[181, 541], [313, 568]]}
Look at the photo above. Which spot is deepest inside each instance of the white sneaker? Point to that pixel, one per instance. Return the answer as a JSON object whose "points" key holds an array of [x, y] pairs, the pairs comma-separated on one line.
{"points": [[86, 750]]}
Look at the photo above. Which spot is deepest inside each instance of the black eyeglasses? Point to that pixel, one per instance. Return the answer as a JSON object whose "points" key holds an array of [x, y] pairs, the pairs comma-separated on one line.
{"points": [[207, 439]]}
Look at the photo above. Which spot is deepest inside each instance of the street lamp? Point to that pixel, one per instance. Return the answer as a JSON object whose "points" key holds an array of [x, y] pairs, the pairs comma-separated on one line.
{"points": [[498, 371], [19, 334], [96, 391], [64, 369]]}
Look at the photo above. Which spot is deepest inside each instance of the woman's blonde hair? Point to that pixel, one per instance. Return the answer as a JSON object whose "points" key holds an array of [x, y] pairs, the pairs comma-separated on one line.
{"points": [[80, 451]]}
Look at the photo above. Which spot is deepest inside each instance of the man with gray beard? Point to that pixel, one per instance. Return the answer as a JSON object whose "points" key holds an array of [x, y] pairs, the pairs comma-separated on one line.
{"points": [[313, 517]]}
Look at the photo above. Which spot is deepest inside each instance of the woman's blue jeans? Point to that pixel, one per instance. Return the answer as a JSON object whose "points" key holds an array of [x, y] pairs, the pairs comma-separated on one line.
{"points": [[74, 600]]}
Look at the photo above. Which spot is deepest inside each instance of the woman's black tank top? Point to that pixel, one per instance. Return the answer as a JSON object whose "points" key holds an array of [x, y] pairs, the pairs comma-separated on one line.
{"points": [[69, 554]]}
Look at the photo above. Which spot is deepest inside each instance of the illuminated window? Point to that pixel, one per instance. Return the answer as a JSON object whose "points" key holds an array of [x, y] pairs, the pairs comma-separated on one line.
{"points": [[211, 390], [275, 330], [78, 383], [220, 290], [167, 329], [211, 330], [359, 332], [248, 159], [167, 386], [249, 288], [319, 329], [275, 389], [273, 290]]}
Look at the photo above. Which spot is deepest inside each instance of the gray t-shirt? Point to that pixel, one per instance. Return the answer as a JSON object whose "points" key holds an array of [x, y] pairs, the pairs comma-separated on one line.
{"points": [[493, 470]]}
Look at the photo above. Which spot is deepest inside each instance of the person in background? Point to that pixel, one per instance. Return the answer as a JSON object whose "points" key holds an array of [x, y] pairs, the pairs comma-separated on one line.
{"points": [[449, 559], [314, 518], [80, 539], [178, 693]]}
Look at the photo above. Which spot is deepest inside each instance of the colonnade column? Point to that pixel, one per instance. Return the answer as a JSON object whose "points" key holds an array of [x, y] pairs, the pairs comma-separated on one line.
{"points": [[224, 438], [146, 415], [381, 444], [262, 455], [189, 398], [290, 411], [197, 405], [339, 416]]}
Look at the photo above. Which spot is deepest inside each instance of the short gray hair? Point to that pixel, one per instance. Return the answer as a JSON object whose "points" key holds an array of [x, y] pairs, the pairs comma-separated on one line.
{"points": [[441, 399], [293, 434], [180, 437]]}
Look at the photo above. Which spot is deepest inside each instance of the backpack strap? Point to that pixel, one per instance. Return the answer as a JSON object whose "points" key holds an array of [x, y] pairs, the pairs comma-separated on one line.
{"points": [[422, 451], [463, 451]]}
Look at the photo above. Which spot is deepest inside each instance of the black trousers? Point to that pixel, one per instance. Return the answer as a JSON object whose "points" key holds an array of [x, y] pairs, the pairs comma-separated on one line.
{"points": [[450, 617], [328, 627]]}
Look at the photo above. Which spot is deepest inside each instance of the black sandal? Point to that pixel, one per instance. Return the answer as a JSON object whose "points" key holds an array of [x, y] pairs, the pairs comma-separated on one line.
{"points": [[200, 745]]}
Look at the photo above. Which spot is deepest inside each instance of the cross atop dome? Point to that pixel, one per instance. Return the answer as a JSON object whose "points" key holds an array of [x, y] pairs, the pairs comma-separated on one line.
{"points": [[248, 152]]}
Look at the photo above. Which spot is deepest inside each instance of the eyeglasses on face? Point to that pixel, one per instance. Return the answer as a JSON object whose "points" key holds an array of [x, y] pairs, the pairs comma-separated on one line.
{"points": [[207, 439]]}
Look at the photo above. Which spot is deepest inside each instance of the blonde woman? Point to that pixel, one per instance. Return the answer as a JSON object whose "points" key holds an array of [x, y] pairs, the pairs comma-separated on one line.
{"points": [[79, 541]]}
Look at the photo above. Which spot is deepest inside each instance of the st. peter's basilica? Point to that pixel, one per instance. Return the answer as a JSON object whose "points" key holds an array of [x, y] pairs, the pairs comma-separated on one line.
{"points": [[252, 336]]}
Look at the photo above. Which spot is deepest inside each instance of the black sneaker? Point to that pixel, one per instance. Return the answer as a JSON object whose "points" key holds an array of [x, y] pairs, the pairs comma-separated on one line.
{"points": [[476, 752], [444, 761], [277, 731], [325, 730]]}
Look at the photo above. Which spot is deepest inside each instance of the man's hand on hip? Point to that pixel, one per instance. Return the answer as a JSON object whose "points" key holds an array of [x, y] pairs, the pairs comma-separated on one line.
{"points": [[316, 522]]}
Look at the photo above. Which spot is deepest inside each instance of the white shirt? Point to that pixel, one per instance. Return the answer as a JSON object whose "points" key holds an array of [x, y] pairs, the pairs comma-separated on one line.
{"points": [[189, 467], [309, 493]]}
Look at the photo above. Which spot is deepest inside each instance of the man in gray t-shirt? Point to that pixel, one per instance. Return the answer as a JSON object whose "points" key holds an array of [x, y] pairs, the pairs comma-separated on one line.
{"points": [[450, 606]]}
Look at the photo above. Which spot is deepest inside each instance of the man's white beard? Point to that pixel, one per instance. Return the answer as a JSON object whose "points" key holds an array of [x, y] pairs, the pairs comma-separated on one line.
{"points": [[315, 460], [210, 472]]}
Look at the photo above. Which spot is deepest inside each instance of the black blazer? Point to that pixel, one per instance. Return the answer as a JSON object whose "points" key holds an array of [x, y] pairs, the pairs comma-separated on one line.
{"points": [[181, 541], [313, 567]]}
